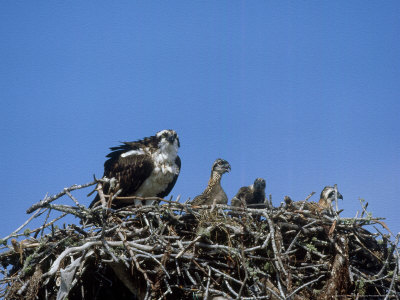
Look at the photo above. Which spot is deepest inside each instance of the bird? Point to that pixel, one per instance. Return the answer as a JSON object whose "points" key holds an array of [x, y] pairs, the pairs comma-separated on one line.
{"points": [[324, 204], [213, 193], [327, 197], [144, 168], [248, 195], [301, 205]]}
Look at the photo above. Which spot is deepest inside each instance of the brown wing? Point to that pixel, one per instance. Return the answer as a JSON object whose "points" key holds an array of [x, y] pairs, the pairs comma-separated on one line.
{"points": [[242, 197], [202, 200], [130, 171], [216, 194], [245, 194]]}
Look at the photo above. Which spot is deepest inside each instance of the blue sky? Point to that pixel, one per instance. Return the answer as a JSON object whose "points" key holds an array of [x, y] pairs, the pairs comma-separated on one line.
{"points": [[302, 93]]}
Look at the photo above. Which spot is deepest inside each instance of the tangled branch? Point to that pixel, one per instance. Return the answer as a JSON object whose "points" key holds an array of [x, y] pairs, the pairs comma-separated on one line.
{"points": [[175, 251]]}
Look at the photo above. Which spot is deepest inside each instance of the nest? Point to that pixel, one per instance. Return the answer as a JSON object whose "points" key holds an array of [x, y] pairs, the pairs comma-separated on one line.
{"points": [[173, 250]]}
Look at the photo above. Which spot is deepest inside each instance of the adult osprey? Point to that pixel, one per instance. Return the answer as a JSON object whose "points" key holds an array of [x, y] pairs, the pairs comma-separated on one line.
{"points": [[144, 168], [248, 195], [214, 194]]}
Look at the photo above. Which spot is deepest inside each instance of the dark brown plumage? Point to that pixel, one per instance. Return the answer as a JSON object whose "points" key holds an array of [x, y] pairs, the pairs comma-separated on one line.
{"points": [[214, 194], [250, 195], [144, 168]]}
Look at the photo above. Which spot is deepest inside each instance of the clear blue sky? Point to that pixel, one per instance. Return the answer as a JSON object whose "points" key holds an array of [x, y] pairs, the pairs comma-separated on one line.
{"points": [[302, 93]]}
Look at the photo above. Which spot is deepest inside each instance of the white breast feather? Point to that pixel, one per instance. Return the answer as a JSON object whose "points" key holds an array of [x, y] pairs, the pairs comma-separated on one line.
{"points": [[163, 173]]}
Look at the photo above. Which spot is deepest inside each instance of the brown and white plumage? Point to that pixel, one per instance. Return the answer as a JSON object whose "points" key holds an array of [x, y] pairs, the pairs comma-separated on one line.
{"points": [[250, 195], [213, 193], [327, 197], [324, 204], [144, 168]]}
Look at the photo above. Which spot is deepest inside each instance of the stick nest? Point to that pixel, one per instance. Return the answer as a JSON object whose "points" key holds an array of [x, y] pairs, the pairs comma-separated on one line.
{"points": [[176, 251]]}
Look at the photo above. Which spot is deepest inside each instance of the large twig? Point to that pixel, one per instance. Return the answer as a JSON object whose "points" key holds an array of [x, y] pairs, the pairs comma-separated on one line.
{"points": [[47, 200]]}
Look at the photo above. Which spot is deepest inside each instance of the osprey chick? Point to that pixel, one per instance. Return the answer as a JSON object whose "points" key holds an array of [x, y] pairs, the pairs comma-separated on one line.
{"points": [[144, 168], [214, 194], [248, 195], [327, 197], [324, 204]]}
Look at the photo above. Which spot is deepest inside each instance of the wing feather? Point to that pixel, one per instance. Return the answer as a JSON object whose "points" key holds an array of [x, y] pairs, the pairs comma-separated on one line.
{"points": [[244, 194], [201, 200], [130, 171]]}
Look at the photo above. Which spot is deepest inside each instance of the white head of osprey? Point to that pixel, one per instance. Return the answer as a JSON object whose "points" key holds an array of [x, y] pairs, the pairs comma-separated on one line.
{"points": [[168, 145]]}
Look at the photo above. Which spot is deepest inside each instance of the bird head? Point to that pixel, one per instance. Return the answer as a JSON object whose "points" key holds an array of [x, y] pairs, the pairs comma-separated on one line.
{"points": [[221, 166], [168, 138], [288, 200], [259, 184], [328, 194]]}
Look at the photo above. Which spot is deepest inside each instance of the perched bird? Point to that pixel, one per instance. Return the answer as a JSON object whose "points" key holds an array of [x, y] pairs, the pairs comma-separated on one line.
{"points": [[144, 168], [248, 195], [324, 204], [301, 205], [327, 197], [214, 194]]}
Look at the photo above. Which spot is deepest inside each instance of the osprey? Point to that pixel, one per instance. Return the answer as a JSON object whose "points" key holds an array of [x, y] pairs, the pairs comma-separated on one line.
{"points": [[327, 197], [248, 195], [214, 194], [324, 204], [144, 168]]}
